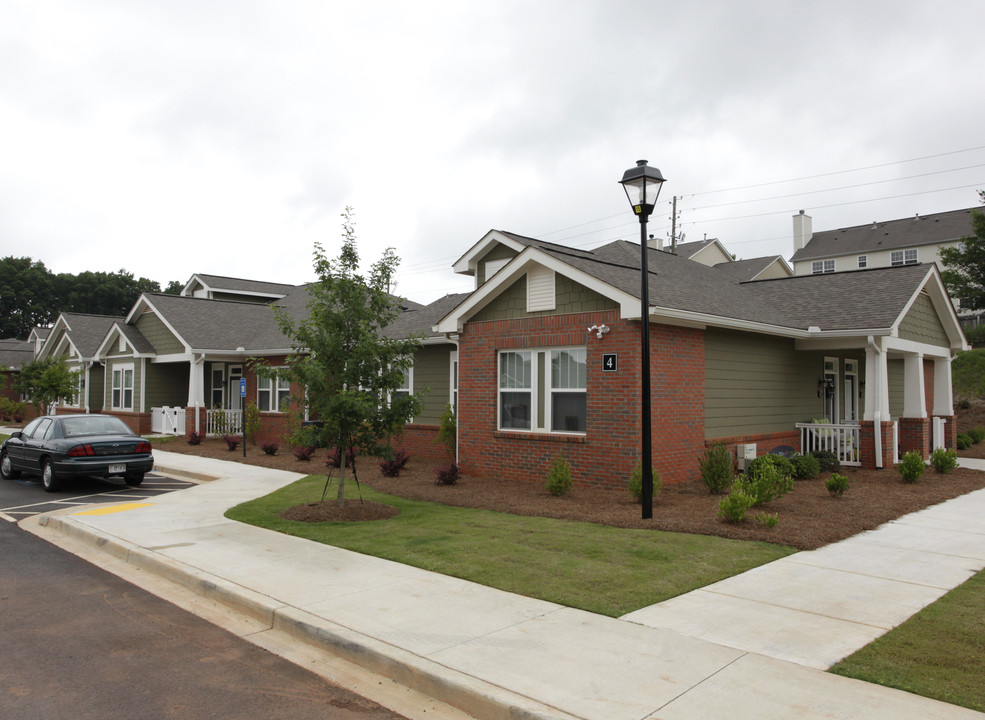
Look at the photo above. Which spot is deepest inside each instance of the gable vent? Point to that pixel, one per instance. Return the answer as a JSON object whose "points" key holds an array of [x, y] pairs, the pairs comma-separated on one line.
{"points": [[540, 289]]}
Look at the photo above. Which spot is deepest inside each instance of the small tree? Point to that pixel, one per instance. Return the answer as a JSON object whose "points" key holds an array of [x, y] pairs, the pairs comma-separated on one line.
{"points": [[964, 265], [45, 382], [342, 357]]}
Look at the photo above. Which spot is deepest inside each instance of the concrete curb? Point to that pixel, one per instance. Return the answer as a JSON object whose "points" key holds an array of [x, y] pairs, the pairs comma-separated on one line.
{"points": [[465, 692]]}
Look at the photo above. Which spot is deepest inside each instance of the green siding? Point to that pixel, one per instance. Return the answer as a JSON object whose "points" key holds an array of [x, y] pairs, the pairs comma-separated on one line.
{"points": [[432, 375], [138, 369], [922, 324], [95, 390], [499, 252], [167, 385], [760, 384], [158, 335], [895, 374], [570, 297]]}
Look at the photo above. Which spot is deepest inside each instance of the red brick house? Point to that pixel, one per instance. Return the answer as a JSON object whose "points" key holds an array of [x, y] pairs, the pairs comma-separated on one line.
{"points": [[548, 360]]}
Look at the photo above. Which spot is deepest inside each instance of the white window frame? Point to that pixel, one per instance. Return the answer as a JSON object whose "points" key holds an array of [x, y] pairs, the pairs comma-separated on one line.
{"points": [[121, 392], [453, 382], [406, 387], [512, 383], [904, 257], [277, 388], [218, 386], [76, 400], [822, 267]]}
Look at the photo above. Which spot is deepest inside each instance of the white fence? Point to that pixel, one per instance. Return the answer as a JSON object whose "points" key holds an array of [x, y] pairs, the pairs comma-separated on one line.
{"points": [[167, 420], [223, 422], [842, 440]]}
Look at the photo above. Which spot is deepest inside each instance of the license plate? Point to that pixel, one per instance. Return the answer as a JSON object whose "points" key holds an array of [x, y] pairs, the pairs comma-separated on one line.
{"points": [[117, 468]]}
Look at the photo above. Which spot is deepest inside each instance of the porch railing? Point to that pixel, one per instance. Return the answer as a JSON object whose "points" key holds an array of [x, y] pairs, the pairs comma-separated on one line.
{"points": [[842, 440], [167, 420], [223, 422]]}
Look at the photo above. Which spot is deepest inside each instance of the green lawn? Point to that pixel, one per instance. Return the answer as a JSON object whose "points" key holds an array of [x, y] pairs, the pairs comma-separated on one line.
{"points": [[611, 571], [938, 653]]}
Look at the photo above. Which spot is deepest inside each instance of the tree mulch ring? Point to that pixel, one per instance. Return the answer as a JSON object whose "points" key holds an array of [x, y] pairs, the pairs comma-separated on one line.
{"points": [[331, 511]]}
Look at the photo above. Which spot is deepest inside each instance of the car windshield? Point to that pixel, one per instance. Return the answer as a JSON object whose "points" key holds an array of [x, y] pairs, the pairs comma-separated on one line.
{"points": [[94, 425]]}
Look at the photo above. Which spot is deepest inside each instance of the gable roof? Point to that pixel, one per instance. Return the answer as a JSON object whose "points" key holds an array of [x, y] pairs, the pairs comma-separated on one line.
{"points": [[81, 332], [746, 270], [685, 292], [236, 286], [932, 229]]}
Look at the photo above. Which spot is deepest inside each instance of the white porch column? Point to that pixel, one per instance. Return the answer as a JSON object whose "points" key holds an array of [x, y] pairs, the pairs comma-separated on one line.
{"points": [[196, 385], [914, 397], [876, 383], [943, 398]]}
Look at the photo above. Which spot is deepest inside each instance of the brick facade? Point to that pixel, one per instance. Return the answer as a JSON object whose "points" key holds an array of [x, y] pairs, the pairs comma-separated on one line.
{"points": [[606, 454]]}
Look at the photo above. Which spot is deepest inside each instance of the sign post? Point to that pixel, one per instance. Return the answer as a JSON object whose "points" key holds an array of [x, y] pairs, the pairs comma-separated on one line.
{"points": [[242, 410]]}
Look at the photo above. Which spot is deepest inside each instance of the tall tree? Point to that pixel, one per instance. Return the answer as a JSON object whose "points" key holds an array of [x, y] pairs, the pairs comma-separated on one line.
{"points": [[101, 293], [964, 265], [27, 296], [349, 369]]}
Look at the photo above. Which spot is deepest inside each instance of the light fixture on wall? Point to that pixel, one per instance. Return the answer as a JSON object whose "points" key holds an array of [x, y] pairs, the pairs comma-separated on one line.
{"points": [[599, 330], [825, 387], [642, 185]]}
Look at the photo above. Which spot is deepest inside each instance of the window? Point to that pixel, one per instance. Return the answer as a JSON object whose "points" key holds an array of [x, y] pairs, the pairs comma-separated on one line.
{"points": [[535, 397], [822, 266], [568, 381], [863, 261], [273, 394], [453, 383], [406, 386], [903, 257], [218, 381], [515, 390], [123, 387], [75, 399]]}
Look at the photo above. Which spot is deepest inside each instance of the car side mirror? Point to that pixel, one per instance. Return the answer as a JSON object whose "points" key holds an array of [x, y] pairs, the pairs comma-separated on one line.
{"points": [[16, 434]]}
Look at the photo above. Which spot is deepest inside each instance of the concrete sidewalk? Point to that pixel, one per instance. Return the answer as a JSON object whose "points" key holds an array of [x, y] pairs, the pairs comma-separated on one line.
{"points": [[750, 646]]}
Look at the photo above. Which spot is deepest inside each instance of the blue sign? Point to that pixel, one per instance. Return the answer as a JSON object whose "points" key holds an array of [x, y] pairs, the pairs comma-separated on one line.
{"points": [[242, 387]]}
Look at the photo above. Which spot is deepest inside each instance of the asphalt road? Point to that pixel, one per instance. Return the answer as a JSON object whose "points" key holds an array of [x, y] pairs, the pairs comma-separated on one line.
{"points": [[78, 642]]}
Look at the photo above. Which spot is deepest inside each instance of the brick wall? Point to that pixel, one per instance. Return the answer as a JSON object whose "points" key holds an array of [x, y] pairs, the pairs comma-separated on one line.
{"points": [[914, 434], [610, 448]]}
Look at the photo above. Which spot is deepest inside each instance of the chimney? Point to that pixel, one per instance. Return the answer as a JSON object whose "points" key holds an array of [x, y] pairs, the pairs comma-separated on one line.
{"points": [[655, 243], [802, 231]]}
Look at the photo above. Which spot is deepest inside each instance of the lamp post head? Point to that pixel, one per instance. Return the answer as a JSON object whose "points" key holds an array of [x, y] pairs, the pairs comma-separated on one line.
{"points": [[642, 185]]}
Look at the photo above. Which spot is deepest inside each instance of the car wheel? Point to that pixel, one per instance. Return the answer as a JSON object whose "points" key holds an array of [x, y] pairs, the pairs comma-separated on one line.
{"points": [[48, 479], [134, 479], [7, 471]]}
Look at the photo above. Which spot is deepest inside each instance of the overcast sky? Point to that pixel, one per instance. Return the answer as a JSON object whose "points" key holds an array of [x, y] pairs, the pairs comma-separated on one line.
{"points": [[226, 137]]}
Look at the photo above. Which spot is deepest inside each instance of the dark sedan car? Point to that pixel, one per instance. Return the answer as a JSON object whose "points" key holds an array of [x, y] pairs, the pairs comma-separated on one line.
{"points": [[63, 446]]}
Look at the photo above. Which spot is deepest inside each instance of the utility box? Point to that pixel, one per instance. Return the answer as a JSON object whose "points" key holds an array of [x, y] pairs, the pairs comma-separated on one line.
{"points": [[745, 453]]}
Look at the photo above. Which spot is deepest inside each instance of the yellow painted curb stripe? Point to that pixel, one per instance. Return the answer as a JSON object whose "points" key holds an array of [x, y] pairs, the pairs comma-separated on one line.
{"points": [[113, 509]]}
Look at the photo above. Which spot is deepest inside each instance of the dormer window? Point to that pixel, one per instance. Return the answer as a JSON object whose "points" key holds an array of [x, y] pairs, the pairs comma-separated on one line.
{"points": [[819, 267]]}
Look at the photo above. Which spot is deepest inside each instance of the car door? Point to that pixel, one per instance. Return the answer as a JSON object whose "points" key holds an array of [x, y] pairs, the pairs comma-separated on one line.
{"points": [[34, 445], [16, 445]]}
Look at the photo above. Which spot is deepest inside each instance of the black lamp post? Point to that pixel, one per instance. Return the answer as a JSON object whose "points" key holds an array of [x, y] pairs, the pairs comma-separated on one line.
{"points": [[642, 185]]}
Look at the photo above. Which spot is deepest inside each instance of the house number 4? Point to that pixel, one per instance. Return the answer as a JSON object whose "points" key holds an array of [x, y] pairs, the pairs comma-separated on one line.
{"points": [[610, 362]]}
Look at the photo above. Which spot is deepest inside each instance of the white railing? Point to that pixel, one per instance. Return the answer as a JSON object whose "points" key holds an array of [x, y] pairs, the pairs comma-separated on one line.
{"points": [[167, 420], [938, 437], [842, 440], [223, 422]]}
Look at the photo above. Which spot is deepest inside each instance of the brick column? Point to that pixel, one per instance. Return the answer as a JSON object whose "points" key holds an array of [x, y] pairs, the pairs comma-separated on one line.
{"points": [[867, 440], [914, 434]]}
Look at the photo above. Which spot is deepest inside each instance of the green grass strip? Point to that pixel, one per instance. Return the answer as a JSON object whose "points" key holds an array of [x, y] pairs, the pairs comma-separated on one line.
{"points": [[611, 571], [937, 653]]}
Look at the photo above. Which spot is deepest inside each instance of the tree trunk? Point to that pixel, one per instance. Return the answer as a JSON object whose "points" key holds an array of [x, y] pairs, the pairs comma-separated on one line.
{"points": [[341, 498]]}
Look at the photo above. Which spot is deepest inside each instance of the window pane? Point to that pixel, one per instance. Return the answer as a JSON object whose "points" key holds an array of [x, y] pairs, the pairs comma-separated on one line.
{"points": [[514, 410], [568, 412], [568, 369], [514, 370]]}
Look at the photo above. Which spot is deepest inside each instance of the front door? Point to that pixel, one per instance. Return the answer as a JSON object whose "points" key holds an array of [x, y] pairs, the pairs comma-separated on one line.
{"points": [[234, 398]]}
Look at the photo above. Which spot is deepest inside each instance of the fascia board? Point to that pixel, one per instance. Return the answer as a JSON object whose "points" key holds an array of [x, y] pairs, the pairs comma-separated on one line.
{"points": [[60, 323], [466, 264], [934, 285]]}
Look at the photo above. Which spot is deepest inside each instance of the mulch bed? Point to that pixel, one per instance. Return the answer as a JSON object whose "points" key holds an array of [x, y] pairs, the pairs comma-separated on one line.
{"points": [[808, 516]]}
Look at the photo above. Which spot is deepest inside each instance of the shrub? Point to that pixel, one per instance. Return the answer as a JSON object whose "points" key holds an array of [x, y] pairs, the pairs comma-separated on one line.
{"points": [[446, 475], [195, 438], [252, 422], [304, 452], [448, 429], [977, 434], [270, 448], [734, 506], [559, 476], [828, 461], [334, 458], [836, 485], [232, 441], [768, 520], [944, 460], [964, 441], [767, 478], [911, 467], [805, 467], [635, 483], [391, 467], [716, 469]]}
